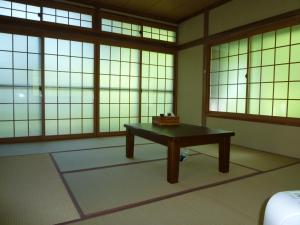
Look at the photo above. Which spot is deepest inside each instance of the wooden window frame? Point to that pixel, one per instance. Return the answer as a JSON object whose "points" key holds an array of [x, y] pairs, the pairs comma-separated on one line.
{"points": [[271, 24], [59, 31]]}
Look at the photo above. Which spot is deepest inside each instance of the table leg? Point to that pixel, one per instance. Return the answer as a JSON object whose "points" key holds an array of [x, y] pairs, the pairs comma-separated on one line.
{"points": [[129, 144], [173, 162], [224, 154]]}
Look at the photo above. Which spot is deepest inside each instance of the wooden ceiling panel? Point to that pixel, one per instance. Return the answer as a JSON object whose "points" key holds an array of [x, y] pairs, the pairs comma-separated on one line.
{"points": [[168, 10]]}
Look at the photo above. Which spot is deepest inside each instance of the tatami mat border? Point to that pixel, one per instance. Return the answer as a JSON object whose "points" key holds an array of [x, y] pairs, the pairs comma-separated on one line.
{"points": [[75, 203]]}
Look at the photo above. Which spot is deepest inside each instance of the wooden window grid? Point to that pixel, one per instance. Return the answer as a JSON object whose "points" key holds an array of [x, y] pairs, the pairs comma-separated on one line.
{"points": [[272, 72]]}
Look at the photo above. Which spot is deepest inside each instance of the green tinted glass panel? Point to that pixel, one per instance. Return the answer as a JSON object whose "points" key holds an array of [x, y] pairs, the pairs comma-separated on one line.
{"points": [[280, 90], [282, 55], [255, 59], [279, 108], [268, 57], [266, 107], [283, 37], [295, 53], [281, 72], [253, 106], [295, 71], [269, 40], [256, 42], [254, 91], [294, 108], [294, 90], [267, 73], [266, 90], [295, 34]]}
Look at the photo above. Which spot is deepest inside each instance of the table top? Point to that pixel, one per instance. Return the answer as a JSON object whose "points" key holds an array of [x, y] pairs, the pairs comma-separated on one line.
{"points": [[176, 131]]}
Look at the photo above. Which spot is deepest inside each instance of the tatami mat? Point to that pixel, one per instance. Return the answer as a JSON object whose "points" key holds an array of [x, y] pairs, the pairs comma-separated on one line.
{"points": [[64, 145], [32, 193], [108, 188], [259, 160], [236, 203], [75, 160]]}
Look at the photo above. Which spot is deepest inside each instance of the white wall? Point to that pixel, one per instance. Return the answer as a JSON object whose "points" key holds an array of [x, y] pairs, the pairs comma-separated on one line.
{"points": [[274, 138], [236, 13], [191, 29], [189, 97]]}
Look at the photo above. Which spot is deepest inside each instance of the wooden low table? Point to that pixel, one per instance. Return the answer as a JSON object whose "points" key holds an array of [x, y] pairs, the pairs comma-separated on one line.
{"points": [[178, 136]]}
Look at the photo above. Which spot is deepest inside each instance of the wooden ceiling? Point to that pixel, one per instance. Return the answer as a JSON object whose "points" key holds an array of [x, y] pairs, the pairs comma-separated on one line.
{"points": [[173, 11]]}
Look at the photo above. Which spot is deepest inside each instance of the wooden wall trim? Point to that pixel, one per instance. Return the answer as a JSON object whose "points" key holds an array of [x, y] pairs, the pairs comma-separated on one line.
{"points": [[256, 118], [124, 18], [205, 68], [37, 28]]}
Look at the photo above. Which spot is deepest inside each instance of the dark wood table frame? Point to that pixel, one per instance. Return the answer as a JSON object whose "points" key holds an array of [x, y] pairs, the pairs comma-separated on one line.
{"points": [[175, 137]]}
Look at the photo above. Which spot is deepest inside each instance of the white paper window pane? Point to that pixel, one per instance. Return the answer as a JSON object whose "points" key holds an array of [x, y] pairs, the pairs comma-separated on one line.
{"points": [[50, 95], [35, 128], [51, 127], [88, 65], [50, 62], [63, 95], [20, 60], [104, 110], [294, 108], [114, 124], [6, 95], [6, 41], [88, 96], [104, 125], [64, 111], [124, 97], [124, 110], [76, 79], [6, 77], [50, 46], [64, 126], [35, 111], [20, 43], [50, 111], [76, 64], [20, 95], [104, 96], [34, 61], [76, 96], [279, 108], [6, 129], [76, 48], [20, 77], [21, 128], [88, 126], [76, 111], [63, 63], [20, 111], [114, 110], [88, 80], [88, 111], [50, 79], [5, 59], [76, 126], [6, 112], [64, 47]]}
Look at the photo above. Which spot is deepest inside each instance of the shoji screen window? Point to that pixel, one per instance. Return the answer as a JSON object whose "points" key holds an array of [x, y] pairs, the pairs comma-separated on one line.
{"points": [[271, 86], [119, 87], [157, 84], [20, 97], [228, 77], [69, 68], [274, 78]]}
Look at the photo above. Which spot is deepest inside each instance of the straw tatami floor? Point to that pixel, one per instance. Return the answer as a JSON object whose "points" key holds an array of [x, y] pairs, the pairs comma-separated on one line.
{"points": [[91, 182]]}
